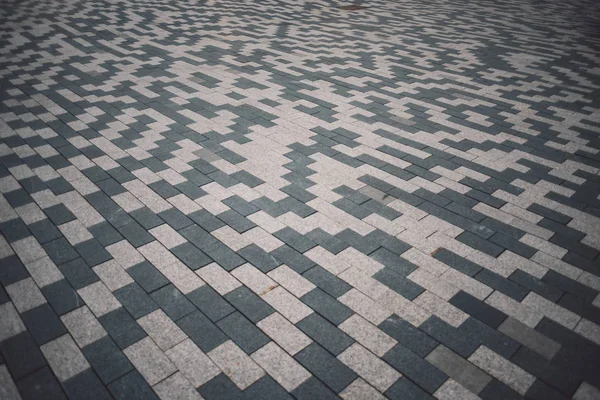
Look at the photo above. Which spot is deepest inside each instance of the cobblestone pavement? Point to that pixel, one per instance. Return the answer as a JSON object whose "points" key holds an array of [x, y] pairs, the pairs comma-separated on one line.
{"points": [[285, 199]]}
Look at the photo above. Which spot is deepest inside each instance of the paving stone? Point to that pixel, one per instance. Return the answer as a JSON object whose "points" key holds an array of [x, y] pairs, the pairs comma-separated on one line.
{"points": [[267, 388], [12, 350], [461, 343], [122, 328], [249, 304], [60, 251], [327, 306], [86, 385], [131, 386], [62, 296], [78, 273], [418, 370], [107, 360], [172, 302], [325, 333], [176, 387], [193, 363], [409, 336], [135, 300], [529, 337], [149, 360], [161, 329], [369, 367], [221, 388], [13, 270], [368, 335], [41, 383], [405, 389], [478, 309], [64, 357], [501, 369], [327, 368], [43, 324], [283, 368], [284, 333], [202, 331], [242, 370], [147, 276], [458, 369], [313, 389], [243, 332]]}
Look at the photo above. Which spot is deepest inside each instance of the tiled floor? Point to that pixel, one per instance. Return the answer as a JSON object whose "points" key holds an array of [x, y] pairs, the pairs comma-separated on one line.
{"points": [[283, 199]]}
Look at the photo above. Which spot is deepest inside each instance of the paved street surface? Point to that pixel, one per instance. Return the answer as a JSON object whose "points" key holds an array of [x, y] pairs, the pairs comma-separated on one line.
{"points": [[286, 199]]}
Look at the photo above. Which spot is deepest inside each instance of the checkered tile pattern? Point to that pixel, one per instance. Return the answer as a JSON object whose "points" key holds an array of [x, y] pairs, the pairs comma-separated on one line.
{"points": [[288, 199]]}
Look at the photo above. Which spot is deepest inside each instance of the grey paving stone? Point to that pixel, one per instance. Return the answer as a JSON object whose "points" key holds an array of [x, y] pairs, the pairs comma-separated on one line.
{"points": [[243, 332], [191, 256], [313, 389], [553, 373], [40, 384], [210, 303], [327, 368], [478, 309], [293, 259], [147, 276], [398, 283], [249, 304], [12, 351], [497, 390], [409, 336], [172, 302], [62, 297], [43, 324], [569, 285], [259, 258], [85, 385], [202, 331], [536, 285], [122, 328], [105, 233], [135, 300], [327, 306], [530, 338], [457, 262], [295, 240], [92, 251], [418, 370], [459, 342], [405, 389], [132, 386], [44, 231], [501, 284], [221, 388], [78, 273], [12, 270], [327, 241], [107, 360], [325, 333], [135, 234], [267, 388], [326, 281], [458, 369], [60, 251]]}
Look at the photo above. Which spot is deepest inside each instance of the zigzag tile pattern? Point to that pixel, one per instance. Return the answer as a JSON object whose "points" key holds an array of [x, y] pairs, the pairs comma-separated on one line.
{"points": [[292, 200]]}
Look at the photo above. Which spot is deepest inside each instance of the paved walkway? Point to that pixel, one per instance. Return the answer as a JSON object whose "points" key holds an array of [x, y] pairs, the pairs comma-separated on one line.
{"points": [[284, 199]]}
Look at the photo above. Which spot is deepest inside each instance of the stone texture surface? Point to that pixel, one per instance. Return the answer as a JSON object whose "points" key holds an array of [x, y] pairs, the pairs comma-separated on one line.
{"points": [[283, 199]]}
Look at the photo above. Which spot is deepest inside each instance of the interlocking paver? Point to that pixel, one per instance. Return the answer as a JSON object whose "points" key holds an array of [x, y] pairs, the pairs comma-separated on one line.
{"points": [[388, 200]]}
